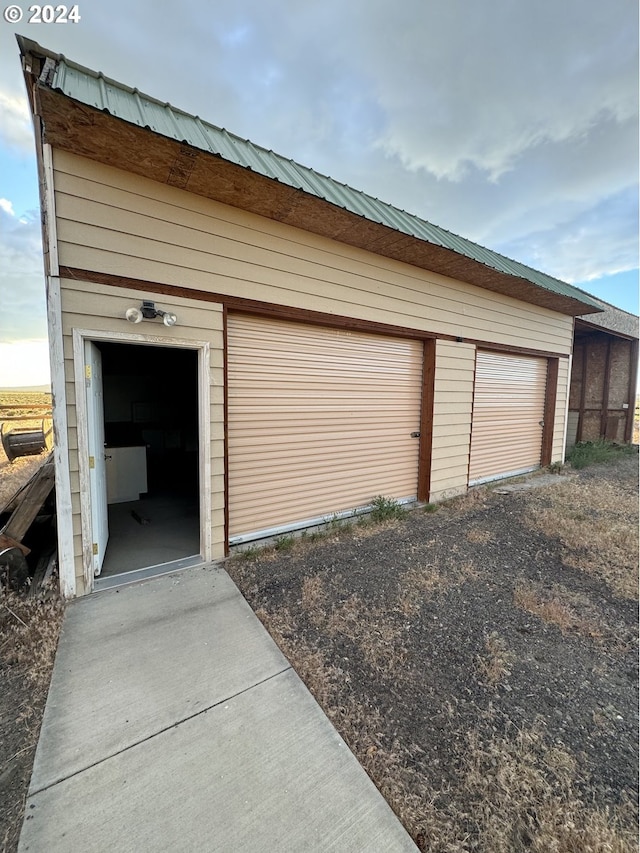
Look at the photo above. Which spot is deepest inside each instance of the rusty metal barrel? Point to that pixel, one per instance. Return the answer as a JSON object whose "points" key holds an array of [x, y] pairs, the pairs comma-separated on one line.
{"points": [[26, 441]]}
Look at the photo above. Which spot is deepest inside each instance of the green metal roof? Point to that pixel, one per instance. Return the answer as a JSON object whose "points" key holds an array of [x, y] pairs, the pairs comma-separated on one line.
{"points": [[95, 90]]}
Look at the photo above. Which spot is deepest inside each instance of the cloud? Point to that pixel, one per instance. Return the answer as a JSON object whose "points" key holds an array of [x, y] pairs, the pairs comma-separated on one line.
{"points": [[21, 276], [512, 124], [7, 206], [596, 242], [479, 85], [16, 132]]}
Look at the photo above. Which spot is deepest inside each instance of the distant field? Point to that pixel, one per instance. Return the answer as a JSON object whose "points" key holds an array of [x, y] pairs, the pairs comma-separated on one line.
{"points": [[20, 402], [20, 409]]}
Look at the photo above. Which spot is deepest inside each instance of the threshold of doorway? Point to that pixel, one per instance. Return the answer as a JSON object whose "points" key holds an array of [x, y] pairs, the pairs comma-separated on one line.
{"points": [[136, 575]]}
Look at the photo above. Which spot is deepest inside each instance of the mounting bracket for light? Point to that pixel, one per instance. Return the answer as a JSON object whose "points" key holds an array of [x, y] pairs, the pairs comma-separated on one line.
{"points": [[148, 311]]}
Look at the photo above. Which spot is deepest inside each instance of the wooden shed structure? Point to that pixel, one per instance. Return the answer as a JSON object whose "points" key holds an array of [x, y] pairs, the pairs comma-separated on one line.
{"points": [[243, 347], [604, 376]]}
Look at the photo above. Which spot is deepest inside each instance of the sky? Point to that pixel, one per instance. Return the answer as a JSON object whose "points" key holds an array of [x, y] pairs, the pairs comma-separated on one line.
{"points": [[513, 124]]}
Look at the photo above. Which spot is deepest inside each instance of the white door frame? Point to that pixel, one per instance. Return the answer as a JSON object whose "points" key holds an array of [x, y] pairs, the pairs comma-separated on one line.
{"points": [[97, 472], [204, 432]]}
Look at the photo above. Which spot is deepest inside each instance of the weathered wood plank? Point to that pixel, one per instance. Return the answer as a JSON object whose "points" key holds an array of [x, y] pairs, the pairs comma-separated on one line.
{"points": [[33, 496], [8, 542]]}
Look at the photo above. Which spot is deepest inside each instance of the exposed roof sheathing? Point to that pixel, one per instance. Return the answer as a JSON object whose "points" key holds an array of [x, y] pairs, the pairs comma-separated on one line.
{"points": [[613, 320], [377, 226]]}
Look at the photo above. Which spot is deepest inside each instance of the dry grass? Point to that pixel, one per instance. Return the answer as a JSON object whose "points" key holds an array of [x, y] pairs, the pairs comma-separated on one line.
{"points": [[496, 663], [29, 630], [598, 525], [477, 782], [472, 499], [478, 537], [519, 792], [313, 594], [379, 640], [522, 793], [420, 583], [13, 475], [558, 607]]}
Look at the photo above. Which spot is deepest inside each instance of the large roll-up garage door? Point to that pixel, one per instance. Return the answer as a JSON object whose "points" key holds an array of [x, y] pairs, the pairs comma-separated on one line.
{"points": [[319, 422], [508, 412]]}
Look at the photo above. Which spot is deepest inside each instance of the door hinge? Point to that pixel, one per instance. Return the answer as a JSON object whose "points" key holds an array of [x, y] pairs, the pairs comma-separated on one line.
{"points": [[92, 462], [87, 375], [95, 549]]}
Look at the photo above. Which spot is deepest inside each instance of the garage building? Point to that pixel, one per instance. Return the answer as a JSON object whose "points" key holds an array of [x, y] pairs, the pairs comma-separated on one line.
{"points": [[242, 347]]}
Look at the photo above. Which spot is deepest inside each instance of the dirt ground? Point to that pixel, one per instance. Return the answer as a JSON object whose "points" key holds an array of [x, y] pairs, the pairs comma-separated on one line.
{"points": [[480, 659]]}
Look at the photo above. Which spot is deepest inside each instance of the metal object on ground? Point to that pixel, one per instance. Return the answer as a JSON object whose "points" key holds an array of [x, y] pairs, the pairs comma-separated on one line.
{"points": [[14, 571], [26, 441]]}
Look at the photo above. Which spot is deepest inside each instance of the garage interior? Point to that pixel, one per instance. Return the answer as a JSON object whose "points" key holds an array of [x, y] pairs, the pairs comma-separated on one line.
{"points": [[151, 451]]}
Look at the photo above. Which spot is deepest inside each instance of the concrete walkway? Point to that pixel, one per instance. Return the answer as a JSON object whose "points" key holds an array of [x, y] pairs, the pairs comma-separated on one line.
{"points": [[174, 723]]}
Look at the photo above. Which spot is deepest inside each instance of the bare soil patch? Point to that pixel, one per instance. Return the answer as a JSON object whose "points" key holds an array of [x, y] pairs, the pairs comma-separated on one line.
{"points": [[480, 660]]}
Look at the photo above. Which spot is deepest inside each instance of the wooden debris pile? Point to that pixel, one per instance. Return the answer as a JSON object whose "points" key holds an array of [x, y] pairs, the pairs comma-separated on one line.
{"points": [[23, 511]]}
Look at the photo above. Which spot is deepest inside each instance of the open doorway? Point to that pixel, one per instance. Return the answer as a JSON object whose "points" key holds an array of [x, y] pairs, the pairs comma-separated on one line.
{"points": [[151, 451]]}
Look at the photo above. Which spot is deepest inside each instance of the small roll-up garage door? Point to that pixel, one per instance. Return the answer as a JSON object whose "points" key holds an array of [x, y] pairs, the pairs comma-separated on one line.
{"points": [[319, 422], [508, 412]]}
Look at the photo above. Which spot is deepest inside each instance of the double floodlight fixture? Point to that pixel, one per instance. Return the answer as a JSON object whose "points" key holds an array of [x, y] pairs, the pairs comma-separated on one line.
{"points": [[148, 311]]}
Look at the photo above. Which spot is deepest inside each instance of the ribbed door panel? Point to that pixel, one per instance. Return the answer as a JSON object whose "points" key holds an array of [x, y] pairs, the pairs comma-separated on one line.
{"points": [[320, 421], [508, 408]]}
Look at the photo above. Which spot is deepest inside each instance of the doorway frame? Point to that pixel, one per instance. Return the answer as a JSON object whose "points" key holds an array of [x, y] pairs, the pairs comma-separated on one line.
{"points": [[203, 350]]}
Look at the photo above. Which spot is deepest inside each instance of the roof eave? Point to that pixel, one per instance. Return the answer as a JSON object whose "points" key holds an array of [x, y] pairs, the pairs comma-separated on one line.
{"points": [[85, 130]]}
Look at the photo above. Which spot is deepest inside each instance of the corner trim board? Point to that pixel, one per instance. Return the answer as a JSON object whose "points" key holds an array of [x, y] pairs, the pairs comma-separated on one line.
{"points": [[66, 557], [550, 398], [426, 419], [633, 377]]}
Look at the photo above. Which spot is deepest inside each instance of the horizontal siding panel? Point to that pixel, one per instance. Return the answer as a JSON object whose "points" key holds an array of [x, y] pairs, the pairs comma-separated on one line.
{"points": [[245, 248], [449, 471], [122, 191], [158, 218], [319, 421], [455, 366]]}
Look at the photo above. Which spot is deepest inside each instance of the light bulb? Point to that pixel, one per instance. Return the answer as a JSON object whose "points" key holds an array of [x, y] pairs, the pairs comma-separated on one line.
{"points": [[134, 315]]}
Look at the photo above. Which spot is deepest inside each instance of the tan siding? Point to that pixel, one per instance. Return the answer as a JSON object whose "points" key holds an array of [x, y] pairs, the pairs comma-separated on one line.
{"points": [[508, 412], [557, 453], [100, 308], [572, 431], [122, 224], [320, 421], [453, 401]]}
